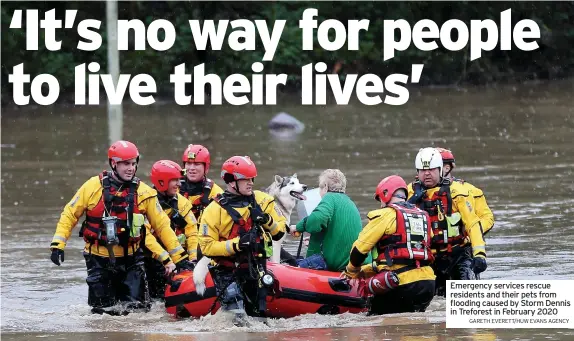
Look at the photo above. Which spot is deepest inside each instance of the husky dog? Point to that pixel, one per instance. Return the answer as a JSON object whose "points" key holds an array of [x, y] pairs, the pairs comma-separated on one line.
{"points": [[286, 191]]}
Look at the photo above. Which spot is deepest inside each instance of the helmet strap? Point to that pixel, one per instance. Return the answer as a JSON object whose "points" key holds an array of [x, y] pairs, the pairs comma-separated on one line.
{"points": [[236, 188], [117, 175]]}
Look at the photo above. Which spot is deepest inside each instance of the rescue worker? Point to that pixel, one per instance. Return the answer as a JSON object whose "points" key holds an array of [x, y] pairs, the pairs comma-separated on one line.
{"points": [[195, 186], [401, 234], [479, 201], [165, 176], [458, 243], [236, 230], [116, 204]]}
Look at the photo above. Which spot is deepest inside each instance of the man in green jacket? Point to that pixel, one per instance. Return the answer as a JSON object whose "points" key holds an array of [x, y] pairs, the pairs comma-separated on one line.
{"points": [[334, 226]]}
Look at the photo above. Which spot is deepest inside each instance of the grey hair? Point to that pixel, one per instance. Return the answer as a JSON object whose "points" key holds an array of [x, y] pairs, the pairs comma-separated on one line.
{"points": [[334, 180]]}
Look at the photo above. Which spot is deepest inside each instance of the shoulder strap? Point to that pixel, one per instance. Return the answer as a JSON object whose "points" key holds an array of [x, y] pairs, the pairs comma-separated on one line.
{"points": [[176, 218], [131, 200], [183, 187], [445, 190], [255, 204], [222, 201], [108, 197], [208, 185], [167, 202]]}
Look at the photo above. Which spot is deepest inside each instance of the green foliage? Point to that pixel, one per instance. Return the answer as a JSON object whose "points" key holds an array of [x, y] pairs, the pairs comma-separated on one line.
{"points": [[554, 58]]}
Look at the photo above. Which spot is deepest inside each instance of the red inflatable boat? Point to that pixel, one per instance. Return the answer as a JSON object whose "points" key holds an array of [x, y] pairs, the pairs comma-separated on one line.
{"points": [[297, 291]]}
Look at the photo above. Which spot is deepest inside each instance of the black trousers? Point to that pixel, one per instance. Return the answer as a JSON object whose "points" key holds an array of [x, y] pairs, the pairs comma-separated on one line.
{"points": [[155, 274], [288, 258], [454, 266], [408, 298], [124, 282], [241, 291]]}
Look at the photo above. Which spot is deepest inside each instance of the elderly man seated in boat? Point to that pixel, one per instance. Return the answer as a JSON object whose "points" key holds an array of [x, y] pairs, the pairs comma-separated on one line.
{"points": [[334, 225]]}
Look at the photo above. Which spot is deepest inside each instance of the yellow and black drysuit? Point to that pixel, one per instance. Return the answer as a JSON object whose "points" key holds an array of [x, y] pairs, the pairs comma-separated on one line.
{"points": [[399, 235], [458, 243], [480, 206], [183, 223], [200, 194], [115, 264], [236, 232]]}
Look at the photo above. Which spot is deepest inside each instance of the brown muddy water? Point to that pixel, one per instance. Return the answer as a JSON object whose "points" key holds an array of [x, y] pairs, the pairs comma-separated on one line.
{"points": [[514, 142]]}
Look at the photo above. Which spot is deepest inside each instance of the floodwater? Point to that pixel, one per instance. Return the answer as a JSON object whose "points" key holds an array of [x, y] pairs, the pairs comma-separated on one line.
{"points": [[514, 142]]}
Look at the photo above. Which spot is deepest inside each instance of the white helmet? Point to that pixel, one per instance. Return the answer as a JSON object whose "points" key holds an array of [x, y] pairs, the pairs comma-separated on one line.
{"points": [[429, 158]]}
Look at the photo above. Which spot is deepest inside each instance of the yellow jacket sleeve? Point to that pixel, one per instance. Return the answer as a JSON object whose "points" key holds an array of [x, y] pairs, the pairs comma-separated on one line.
{"points": [[215, 190], [410, 190], [160, 222], [190, 231], [482, 210], [152, 244], [381, 222], [462, 202], [73, 211], [278, 224], [211, 226]]}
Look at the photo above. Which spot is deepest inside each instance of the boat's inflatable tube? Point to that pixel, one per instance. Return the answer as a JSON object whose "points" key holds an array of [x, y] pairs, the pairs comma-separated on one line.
{"points": [[182, 300], [296, 291]]}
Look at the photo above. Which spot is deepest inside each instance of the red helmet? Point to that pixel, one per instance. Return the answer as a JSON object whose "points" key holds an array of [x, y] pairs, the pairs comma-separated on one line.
{"points": [[162, 172], [237, 168], [123, 151], [196, 153], [447, 156], [388, 186]]}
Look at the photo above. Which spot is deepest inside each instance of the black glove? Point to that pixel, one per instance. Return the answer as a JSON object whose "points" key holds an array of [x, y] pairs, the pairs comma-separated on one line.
{"points": [[418, 193], [184, 265], [478, 264], [259, 217], [57, 256], [244, 241]]}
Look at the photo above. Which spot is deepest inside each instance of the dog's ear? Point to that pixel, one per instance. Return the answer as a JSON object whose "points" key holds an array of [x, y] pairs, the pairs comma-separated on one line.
{"points": [[294, 176], [278, 179]]}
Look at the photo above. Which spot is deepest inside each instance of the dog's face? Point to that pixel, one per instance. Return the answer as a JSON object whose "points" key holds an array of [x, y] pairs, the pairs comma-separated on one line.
{"points": [[290, 185]]}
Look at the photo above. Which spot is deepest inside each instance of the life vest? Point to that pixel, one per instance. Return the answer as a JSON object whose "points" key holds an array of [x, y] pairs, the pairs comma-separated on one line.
{"points": [[120, 204], [410, 244], [439, 208], [177, 221], [201, 202], [239, 228]]}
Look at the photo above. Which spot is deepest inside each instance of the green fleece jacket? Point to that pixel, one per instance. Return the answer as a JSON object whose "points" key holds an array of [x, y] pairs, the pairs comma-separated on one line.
{"points": [[334, 226]]}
